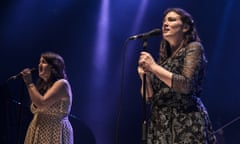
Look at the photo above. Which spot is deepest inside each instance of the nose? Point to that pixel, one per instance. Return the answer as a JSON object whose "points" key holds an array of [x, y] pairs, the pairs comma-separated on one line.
{"points": [[165, 23]]}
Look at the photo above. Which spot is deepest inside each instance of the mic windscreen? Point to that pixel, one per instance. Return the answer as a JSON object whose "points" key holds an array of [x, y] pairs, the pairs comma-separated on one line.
{"points": [[156, 31]]}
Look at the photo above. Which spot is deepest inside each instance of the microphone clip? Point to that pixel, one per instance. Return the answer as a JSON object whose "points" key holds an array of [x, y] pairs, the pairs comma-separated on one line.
{"points": [[154, 32]]}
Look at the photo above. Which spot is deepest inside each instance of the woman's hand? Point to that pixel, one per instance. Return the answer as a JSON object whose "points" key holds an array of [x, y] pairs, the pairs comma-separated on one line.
{"points": [[27, 76], [140, 72], [145, 65], [146, 62]]}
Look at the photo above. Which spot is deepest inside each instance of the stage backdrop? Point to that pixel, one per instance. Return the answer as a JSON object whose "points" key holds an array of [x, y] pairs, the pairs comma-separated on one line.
{"points": [[102, 68]]}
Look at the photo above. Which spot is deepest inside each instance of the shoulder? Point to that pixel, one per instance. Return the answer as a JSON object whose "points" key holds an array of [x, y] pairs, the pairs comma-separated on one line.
{"points": [[196, 49], [63, 87], [195, 46], [62, 83]]}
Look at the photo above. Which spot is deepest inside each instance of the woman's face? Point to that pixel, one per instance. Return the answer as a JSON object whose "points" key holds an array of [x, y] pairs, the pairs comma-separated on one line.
{"points": [[172, 27], [44, 69]]}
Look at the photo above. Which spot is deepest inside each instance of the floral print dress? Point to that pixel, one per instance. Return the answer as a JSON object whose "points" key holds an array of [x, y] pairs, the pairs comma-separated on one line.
{"points": [[177, 114]]}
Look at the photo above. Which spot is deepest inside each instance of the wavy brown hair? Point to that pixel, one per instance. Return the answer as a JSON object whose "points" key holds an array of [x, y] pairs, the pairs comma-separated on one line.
{"points": [[189, 36], [57, 71]]}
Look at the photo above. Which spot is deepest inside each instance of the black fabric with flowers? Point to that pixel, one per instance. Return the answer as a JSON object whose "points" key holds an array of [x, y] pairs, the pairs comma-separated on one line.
{"points": [[177, 114]]}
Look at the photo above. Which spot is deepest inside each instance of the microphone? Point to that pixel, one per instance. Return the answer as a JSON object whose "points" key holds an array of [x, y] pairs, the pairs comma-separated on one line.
{"points": [[153, 32], [19, 74]]}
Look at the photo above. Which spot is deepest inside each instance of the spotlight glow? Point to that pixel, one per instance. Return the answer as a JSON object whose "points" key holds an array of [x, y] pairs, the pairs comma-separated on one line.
{"points": [[102, 36]]}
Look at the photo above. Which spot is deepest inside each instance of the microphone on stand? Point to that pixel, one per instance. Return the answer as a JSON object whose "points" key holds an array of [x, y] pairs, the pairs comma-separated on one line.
{"points": [[19, 74], [154, 32]]}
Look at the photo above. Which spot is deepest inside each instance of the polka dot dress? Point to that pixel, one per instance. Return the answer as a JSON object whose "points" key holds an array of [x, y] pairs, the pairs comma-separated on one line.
{"points": [[50, 126]]}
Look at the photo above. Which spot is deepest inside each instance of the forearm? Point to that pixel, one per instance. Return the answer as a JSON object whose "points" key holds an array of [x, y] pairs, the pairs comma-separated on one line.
{"points": [[34, 94], [163, 74]]}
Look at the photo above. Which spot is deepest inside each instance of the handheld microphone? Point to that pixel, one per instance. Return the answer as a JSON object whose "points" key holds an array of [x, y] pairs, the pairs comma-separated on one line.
{"points": [[19, 74], [153, 32]]}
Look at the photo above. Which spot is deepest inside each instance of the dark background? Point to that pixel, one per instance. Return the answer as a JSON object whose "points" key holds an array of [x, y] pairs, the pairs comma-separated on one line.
{"points": [[90, 35]]}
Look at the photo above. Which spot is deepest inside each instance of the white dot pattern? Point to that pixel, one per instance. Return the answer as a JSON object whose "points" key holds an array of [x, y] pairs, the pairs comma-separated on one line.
{"points": [[50, 126]]}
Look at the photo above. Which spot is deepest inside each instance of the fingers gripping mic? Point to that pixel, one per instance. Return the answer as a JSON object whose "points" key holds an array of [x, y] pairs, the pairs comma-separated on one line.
{"points": [[153, 32], [19, 74]]}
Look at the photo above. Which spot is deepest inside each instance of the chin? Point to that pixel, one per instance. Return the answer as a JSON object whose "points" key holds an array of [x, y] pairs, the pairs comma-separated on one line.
{"points": [[41, 75], [168, 37]]}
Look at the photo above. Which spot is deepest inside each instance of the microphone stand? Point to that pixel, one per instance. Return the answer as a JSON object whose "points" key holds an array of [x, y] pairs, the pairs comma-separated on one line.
{"points": [[144, 105], [20, 114], [20, 109], [4, 91]]}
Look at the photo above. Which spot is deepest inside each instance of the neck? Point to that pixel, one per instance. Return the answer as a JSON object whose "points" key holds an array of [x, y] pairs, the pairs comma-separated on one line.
{"points": [[176, 44]]}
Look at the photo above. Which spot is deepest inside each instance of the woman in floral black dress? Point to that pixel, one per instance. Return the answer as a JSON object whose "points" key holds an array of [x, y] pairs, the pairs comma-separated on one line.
{"points": [[173, 84]]}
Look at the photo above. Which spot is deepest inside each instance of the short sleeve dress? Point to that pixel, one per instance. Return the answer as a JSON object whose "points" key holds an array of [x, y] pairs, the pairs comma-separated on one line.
{"points": [[50, 126], [177, 115]]}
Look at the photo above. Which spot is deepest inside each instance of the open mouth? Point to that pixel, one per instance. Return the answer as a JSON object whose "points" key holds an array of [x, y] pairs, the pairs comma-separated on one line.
{"points": [[165, 30], [40, 69]]}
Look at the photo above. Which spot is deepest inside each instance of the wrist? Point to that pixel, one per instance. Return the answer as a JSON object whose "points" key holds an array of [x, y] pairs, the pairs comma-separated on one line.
{"points": [[27, 81], [154, 67], [30, 85]]}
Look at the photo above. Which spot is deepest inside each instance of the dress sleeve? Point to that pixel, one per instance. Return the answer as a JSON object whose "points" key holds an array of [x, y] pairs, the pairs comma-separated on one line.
{"points": [[188, 80]]}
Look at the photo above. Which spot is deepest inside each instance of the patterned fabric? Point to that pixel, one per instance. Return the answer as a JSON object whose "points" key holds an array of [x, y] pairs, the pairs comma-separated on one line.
{"points": [[177, 114], [50, 126]]}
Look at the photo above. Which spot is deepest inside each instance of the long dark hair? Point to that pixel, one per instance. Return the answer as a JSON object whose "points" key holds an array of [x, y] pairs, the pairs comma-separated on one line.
{"points": [[57, 71], [189, 36]]}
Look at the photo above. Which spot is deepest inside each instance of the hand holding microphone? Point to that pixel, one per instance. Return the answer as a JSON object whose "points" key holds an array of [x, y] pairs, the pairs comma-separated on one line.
{"points": [[146, 61], [27, 75], [23, 73]]}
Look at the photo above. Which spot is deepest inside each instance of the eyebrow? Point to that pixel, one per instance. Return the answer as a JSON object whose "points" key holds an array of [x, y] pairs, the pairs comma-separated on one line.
{"points": [[172, 17]]}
